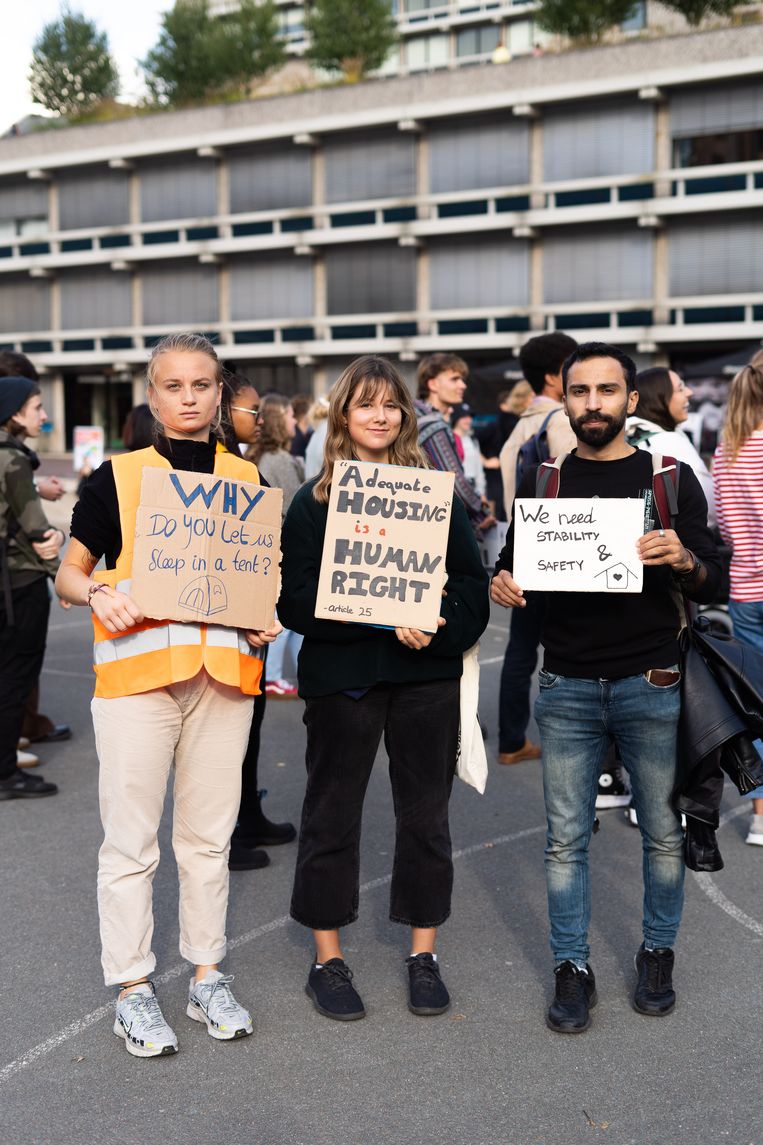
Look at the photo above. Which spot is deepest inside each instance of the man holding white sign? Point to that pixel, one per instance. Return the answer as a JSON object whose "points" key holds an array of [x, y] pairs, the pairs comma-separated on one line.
{"points": [[610, 670]]}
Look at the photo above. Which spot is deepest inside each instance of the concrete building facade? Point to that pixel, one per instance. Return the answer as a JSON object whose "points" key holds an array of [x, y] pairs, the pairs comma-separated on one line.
{"points": [[614, 192]]}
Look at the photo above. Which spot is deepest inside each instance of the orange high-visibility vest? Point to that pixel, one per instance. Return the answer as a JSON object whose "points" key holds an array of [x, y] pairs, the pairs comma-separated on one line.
{"points": [[161, 652]]}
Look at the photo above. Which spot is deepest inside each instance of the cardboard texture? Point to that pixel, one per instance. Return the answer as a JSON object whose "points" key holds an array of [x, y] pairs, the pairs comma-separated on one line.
{"points": [[384, 550], [207, 548], [578, 544]]}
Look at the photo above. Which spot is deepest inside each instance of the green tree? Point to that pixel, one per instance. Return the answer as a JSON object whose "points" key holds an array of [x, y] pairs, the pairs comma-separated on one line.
{"points": [[200, 57], [582, 19], [72, 69], [251, 40], [351, 37], [694, 11]]}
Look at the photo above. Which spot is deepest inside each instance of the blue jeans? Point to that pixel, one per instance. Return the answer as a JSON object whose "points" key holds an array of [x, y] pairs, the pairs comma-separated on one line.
{"points": [[517, 672], [578, 719], [747, 618]]}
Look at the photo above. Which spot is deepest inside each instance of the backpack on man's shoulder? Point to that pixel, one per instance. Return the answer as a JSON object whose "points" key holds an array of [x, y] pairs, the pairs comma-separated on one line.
{"points": [[666, 475], [535, 450]]}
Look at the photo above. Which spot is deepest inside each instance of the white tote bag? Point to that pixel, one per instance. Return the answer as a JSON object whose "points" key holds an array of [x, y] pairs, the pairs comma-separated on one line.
{"points": [[471, 762]]}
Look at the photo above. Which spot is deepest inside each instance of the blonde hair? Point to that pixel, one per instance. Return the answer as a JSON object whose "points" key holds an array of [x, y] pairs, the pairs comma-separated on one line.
{"points": [[744, 411], [369, 374], [188, 343]]}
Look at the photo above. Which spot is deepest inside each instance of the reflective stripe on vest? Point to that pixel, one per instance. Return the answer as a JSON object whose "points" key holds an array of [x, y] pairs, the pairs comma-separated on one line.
{"points": [[157, 653]]}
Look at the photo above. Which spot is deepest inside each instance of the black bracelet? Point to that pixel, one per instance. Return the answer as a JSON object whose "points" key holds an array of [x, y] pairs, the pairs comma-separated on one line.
{"points": [[696, 566]]}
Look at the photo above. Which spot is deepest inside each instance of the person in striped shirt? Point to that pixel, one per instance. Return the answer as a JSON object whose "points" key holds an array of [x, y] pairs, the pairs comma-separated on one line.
{"points": [[738, 483]]}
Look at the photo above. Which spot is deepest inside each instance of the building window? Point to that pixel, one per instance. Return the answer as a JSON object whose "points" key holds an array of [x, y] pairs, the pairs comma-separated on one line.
{"points": [[637, 18], [479, 41], [707, 150], [22, 228], [520, 37], [427, 52]]}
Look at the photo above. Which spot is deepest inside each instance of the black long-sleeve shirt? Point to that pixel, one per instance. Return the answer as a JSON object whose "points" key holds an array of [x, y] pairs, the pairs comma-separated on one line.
{"points": [[592, 635]]}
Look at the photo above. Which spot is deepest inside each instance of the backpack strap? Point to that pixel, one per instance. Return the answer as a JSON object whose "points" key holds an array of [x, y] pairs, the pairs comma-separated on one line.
{"points": [[665, 479], [549, 476]]}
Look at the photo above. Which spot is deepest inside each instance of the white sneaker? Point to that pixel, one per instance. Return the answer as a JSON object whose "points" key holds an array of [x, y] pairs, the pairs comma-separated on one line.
{"points": [[755, 834], [26, 759], [141, 1023], [211, 1001]]}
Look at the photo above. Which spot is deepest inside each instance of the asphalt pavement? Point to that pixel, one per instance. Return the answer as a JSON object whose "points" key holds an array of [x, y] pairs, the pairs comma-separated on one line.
{"points": [[486, 1073]]}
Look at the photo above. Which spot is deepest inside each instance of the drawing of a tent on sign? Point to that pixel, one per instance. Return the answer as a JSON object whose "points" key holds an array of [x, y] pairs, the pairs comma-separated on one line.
{"points": [[205, 596]]}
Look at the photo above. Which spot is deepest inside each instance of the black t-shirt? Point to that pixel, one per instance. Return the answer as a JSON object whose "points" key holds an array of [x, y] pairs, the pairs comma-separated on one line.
{"points": [[593, 635]]}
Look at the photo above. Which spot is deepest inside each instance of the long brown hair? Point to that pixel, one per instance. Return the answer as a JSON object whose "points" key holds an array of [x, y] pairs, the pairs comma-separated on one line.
{"points": [[371, 374], [655, 393], [274, 435], [744, 411]]}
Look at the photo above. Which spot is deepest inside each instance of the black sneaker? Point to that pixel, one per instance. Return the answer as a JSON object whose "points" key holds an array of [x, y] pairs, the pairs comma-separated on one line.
{"points": [[330, 988], [243, 858], [654, 994], [611, 791], [22, 785], [427, 994], [575, 995]]}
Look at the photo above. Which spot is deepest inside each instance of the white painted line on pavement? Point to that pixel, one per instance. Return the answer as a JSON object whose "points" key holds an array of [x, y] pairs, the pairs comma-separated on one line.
{"points": [[492, 660], [82, 1024], [716, 896]]}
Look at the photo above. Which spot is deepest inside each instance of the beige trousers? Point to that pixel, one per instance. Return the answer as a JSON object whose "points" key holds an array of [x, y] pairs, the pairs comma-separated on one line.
{"points": [[202, 727]]}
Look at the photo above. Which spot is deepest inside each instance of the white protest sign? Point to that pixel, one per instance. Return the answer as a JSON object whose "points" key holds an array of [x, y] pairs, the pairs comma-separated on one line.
{"points": [[384, 550], [578, 544], [206, 548]]}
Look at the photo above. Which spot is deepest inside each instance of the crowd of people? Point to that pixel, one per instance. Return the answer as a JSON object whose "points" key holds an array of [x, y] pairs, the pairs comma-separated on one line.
{"points": [[582, 423]]}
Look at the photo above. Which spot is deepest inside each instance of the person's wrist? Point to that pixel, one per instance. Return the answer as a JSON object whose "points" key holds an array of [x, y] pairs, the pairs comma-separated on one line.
{"points": [[690, 568], [94, 587]]}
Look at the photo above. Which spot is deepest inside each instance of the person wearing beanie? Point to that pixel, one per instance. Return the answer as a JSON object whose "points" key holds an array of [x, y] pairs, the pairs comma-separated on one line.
{"points": [[29, 550], [37, 727]]}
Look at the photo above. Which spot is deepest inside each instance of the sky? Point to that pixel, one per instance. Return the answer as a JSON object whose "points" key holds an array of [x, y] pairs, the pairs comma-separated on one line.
{"points": [[132, 27]]}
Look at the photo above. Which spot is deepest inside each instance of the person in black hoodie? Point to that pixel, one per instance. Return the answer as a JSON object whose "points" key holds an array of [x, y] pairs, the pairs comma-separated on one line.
{"points": [[361, 682]]}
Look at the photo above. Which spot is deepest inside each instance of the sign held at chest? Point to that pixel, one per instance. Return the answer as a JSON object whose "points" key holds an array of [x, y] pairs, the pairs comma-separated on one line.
{"points": [[384, 550], [578, 544], [207, 548]]}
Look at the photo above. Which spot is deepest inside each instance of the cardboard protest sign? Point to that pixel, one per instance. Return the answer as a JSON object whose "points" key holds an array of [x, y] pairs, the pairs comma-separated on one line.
{"points": [[207, 548], [384, 550], [578, 544]]}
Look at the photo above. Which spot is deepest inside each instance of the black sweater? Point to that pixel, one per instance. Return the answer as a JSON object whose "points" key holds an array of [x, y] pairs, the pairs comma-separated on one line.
{"points": [[339, 657], [594, 635]]}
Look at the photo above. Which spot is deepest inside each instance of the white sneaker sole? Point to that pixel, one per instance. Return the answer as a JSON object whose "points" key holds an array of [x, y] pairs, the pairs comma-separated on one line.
{"points": [[141, 1051], [198, 1015], [755, 839]]}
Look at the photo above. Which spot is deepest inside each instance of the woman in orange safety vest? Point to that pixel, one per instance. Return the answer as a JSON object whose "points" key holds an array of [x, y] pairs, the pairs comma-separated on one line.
{"points": [[168, 695]]}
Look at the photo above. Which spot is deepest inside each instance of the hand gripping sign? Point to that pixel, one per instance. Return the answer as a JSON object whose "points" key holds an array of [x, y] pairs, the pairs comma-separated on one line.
{"points": [[207, 548], [578, 544], [384, 550]]}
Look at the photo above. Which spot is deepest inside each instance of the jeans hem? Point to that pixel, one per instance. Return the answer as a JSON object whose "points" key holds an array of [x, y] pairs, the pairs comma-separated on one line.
{"points": [[141, 969], [314, 925], [198, 957], [417, 923]]}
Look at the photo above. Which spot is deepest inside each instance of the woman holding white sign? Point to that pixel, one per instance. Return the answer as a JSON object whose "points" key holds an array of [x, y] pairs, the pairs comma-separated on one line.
{"points": [[361, 682], [168, 696]]}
